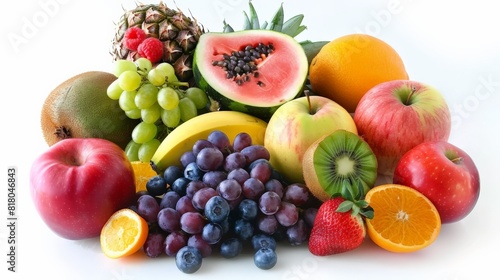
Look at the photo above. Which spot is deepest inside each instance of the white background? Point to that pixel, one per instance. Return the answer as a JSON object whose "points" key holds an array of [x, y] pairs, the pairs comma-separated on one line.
{"points": [[451, 45]]}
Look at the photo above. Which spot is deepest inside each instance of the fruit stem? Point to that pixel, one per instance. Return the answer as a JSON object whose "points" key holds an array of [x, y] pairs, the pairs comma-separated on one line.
{"points": [[177, 84], [413, 90], [457, 160], [308, 102], [454, 157]]}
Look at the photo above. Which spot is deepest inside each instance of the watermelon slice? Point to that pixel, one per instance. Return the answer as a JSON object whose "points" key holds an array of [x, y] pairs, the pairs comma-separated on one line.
{"points": [[251, 71]]}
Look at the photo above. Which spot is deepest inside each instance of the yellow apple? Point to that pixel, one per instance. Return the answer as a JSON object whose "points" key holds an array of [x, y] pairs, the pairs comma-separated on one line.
{"points": [[296, 125]]}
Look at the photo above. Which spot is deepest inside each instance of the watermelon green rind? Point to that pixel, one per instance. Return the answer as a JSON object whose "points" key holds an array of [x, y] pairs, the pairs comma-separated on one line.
{"points": [[263, 112], [288, 76]]}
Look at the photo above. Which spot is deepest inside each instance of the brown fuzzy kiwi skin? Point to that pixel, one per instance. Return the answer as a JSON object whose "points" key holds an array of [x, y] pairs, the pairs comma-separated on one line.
{"points": [[309, 172], [81, 108], [311, 178]]}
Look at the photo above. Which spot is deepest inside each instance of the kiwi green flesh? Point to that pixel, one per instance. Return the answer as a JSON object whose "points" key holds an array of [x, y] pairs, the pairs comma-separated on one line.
{"points": [[344, 159]]}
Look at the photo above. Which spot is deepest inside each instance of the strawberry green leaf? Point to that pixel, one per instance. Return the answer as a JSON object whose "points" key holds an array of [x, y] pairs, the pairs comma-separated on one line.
{"points": [[345, 206], [367, 212], [355, 210], [361, 203]]}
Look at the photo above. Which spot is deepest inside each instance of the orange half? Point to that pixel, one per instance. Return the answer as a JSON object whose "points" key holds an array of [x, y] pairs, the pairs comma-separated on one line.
{"points": [[124, 233], [142, 173], [404, 219]]}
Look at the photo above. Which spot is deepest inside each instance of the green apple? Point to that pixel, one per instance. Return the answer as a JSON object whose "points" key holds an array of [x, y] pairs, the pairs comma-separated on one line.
{"points": [[296, 125]]}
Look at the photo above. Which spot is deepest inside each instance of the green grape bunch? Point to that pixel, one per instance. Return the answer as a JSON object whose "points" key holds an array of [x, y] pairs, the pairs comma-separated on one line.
{"points": [[154, 95]]}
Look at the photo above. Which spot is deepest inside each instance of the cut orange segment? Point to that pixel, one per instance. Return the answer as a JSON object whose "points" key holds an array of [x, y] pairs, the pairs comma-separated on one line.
{"points": [[124, 233], [404, 219], [142, 172]]}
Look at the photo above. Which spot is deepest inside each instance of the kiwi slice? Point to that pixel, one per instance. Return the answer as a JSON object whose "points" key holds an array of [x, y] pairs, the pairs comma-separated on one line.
{"points": [[339, 163]]}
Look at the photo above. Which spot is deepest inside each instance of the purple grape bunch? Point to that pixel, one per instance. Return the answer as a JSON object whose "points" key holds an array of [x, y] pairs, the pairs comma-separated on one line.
{"points": [[221, 197]]}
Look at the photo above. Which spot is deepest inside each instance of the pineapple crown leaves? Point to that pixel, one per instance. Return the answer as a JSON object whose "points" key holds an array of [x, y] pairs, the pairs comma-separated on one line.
{"points": [[291, 27], [354, 200]]}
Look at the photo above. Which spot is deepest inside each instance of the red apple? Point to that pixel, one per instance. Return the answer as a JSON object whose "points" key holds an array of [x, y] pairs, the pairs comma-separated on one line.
{"points": [[397, 115], [443, 173], [78, 183], [296, 125]]}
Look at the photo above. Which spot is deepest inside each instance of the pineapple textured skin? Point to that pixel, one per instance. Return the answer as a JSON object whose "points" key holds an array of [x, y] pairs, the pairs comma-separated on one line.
{"points": [[179, 34]]}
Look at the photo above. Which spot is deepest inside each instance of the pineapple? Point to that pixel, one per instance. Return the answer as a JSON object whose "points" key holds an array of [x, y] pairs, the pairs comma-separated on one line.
{"points": [[178, 33]]}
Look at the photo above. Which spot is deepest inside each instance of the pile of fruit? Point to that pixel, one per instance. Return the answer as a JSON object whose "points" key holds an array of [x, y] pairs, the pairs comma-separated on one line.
{"points": [[199, 143], [224, 194]]}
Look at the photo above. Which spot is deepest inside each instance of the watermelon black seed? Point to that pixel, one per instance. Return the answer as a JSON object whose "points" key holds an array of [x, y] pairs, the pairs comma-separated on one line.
{"points": [[240, 64]]}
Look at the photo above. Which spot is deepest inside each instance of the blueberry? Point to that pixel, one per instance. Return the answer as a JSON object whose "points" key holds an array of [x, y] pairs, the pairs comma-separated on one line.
{"points": [[225, 225], [263, 241], [217, 209], [193, 172], [231, 247], [265, 258], [171, 174], [212, 233], [188, 259], [243, 229], [156, 186], [248, 209], [180, 185]]}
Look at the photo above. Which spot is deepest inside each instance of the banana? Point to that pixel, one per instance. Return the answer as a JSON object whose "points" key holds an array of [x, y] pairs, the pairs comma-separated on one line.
{"points": [[182, 138]]}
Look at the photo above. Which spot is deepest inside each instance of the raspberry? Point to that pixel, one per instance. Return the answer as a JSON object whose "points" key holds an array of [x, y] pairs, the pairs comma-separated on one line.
{"points": [[152, 49], [134, 37]]}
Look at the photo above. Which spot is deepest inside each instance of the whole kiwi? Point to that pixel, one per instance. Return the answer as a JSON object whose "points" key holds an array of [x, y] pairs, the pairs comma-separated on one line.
{"points": [[80, 108], [337, 163]]}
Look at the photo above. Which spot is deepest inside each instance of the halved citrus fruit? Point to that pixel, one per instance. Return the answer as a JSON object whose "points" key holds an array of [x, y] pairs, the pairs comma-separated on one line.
{"points": [[123, 234], [404, 219], [142, 172]]}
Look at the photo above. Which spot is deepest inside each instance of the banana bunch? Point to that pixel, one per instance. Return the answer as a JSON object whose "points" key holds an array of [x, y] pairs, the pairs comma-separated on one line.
{"points": [[182, 139]]}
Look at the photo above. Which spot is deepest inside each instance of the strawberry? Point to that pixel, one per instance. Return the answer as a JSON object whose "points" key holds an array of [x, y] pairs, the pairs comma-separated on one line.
{"points": [[338, 227]]}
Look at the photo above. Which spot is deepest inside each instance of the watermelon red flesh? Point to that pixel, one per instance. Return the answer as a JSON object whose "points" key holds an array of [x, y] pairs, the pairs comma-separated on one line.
{"points": [[281, 74]]}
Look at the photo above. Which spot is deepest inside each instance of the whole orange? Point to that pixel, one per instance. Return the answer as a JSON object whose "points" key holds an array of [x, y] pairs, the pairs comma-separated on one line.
{"points": [[348, 66]]}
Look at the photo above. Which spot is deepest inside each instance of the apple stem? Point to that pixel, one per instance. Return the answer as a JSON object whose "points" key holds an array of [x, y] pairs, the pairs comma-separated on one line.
{"points": [[457, 160], [308, 102], [413, 90]]}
